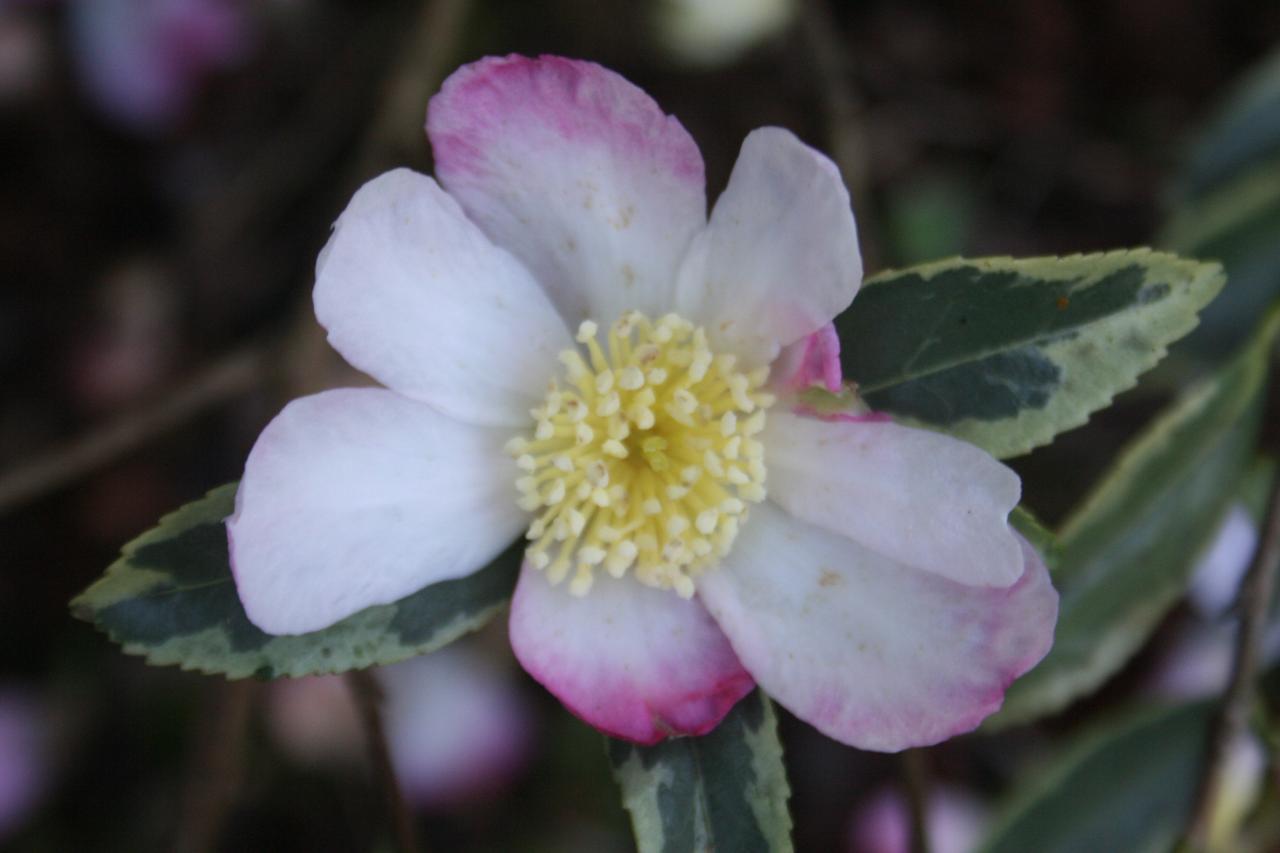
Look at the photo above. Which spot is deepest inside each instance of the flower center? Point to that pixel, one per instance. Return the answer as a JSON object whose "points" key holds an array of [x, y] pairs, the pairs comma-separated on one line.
{"points": [[645, 458]]}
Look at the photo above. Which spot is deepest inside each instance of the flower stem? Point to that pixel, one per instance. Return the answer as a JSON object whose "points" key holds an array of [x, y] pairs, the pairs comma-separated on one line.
{"points": [[1254, 600], [217, 765], [368, 696], [915, 780]]}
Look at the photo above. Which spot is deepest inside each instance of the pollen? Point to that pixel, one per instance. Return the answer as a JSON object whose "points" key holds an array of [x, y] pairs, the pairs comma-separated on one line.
{"points": [[643, 458]]}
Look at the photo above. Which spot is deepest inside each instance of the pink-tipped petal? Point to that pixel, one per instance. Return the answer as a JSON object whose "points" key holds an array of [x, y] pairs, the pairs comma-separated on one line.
{"points": [[413, 294], [637, 663], [578, 173], [813, 360], [358, 497], [924, 499], [871, 652], [780, 257]]}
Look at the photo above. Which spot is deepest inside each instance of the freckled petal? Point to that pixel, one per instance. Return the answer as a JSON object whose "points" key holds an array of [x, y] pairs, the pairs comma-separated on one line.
{"points": [[578, 173], [413, 294], [780, 256], [871, 652], [927, 500], [635, 662], [358, 497]]}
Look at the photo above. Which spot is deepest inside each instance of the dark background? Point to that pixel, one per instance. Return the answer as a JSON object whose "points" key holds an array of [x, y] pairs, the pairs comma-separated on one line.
{"points": [[154, 314]]}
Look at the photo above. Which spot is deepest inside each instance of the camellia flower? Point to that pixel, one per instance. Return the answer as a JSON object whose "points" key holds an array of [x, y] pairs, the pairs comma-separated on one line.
{"points": [[572, 350], [143, 61]]}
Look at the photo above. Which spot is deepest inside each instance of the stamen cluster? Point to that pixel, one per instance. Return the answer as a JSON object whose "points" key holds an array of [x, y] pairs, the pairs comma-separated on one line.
{"points": [[645, 459]]}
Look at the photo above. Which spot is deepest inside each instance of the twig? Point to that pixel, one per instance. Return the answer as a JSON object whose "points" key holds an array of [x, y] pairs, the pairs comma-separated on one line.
{"points": [[1233, 714], [238, 372], [915, 781], [842, 106], [217, 767], [396, 134], [423, 62], [368, 696]]}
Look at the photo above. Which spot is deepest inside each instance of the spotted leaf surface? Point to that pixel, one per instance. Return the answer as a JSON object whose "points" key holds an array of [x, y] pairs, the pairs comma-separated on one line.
{"points": [[1126, 786], [1006, 353], [1126, 555], [171, 598], [726, 790]]}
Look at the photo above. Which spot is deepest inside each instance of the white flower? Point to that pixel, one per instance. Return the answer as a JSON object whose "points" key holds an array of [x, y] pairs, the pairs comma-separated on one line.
{"points": [[568, 303]]}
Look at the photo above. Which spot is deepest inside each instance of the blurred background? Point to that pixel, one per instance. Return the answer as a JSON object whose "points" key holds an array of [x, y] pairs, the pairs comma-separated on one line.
{"points": [[170, 170]]}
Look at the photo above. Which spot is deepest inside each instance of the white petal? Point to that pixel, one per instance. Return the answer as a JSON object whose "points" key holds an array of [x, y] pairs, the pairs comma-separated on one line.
{"points": [[922, 498], [869, 651], [780, 256], [414, 295], [578, 173], [358, 497], [635, 662]]}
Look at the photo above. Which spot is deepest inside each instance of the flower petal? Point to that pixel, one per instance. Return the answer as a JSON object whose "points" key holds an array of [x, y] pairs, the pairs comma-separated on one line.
{"points": [[869, 651], [780, 256], [358, 497], [635, 662], [578, 173], [924, 499], [812, 360], [413, 294]]}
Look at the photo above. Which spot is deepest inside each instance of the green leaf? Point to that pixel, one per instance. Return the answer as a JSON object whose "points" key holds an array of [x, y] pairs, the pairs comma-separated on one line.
{"points": [[1006, 353], [1245, 130], [1127, 553], [1126, 787], [171, 598], [1238, 223], [726, 790]]}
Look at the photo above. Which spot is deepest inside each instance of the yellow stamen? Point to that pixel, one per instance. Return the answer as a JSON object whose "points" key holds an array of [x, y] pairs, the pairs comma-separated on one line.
{"points": [[645, 459]]}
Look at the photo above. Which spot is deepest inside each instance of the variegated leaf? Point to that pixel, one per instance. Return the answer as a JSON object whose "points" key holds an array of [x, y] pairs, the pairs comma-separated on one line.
{"points": [[1006, 353], [726, 790], [171, 598]]}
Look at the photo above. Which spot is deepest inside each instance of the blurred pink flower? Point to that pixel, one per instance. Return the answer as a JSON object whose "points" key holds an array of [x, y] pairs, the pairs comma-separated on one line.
{"points": [[1217, 575], [1198, 660], [24, 55], [456, 724], [458, 727], [23, 758], [143, 61], [954, 821], [314, 720]]}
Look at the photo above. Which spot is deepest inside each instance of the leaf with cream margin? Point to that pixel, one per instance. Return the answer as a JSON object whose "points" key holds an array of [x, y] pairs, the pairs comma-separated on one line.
{"points": [[1126, 555], [171, 599], [1126, 786], [1006, 353], [726, 790]]}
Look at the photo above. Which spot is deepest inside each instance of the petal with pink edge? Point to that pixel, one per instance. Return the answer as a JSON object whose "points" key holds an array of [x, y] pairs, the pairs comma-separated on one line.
{"points": [[779, 258], [358, 497], [924, 499], [578, 173], [635, 662], [812, 360], [413, 294], [871, 652]]}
